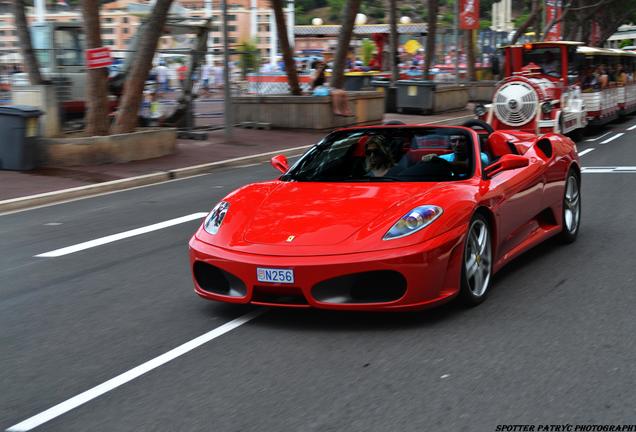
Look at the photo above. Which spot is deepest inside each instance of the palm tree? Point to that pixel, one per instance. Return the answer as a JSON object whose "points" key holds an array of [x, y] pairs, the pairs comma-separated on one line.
{"points": [[351, 9], [288, 55], [97, 120], [26, 48], [126, 119], [433, 7]]}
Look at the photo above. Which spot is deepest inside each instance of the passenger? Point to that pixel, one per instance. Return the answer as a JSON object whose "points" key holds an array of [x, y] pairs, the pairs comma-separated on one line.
{"points": [[589, 81], [621, 76], [378, 158], [459, 156], [602, 76]]}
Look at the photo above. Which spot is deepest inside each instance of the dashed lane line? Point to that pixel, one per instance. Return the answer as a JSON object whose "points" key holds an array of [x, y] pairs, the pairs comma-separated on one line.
{"points": [[618, 135], [586, 151], [115, 237], [631, 128], [598, 137], [610, 170], [130, 375]]}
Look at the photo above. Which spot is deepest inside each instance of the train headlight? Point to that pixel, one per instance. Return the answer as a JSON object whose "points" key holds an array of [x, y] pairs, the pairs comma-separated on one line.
{"points": [[546, 107]]}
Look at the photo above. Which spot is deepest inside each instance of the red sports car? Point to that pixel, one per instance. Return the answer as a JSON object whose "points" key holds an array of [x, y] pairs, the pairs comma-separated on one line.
{"points": [[390, 217]]}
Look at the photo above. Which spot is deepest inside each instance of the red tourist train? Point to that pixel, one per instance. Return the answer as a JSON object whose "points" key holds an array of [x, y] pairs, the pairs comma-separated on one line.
{"points": [[561, 87]]}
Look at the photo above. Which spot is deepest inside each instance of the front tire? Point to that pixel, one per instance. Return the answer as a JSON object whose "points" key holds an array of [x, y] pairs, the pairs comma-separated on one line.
{"points": [[571, 208], [477, 262]]}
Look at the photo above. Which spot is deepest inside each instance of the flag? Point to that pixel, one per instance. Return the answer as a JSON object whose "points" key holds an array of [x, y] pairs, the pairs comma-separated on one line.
{"points": [[469, 14]]}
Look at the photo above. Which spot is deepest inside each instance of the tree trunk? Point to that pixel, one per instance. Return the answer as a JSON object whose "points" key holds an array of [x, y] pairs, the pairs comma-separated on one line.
{"points": [[127, 114], [534, 15], [470, 55], [30, 61], [393, 41], [288, 55], [344, 39], [433, 7], [96, 119]]}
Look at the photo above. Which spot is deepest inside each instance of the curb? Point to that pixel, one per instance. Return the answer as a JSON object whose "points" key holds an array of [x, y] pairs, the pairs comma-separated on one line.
{"points": [[29, 201]]}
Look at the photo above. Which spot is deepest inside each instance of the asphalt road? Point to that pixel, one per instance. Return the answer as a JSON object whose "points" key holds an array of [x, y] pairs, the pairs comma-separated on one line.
{"points": [[554, 343]]}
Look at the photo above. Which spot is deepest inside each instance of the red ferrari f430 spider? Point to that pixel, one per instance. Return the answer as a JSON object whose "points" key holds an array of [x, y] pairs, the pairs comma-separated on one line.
{"points": [[391, 217]]}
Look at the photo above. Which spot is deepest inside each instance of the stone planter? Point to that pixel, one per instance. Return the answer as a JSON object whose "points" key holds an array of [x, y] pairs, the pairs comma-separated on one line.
{"points": [[139, 145], [308, 112], [481, 91], [450, 98]]}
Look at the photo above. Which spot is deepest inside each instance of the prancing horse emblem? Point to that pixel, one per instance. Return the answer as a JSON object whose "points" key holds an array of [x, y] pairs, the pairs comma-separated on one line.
{"points": [[290, 239]]}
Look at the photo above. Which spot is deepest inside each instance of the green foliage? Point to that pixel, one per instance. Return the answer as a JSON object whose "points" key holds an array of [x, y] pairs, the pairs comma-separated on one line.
{"points": [[336, 9], [249, 57], [625, 42], [368, 49]]}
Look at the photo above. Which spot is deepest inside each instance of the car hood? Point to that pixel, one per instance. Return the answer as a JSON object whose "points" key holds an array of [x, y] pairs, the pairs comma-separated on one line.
{"points": [[306, 218], [319, 214]]}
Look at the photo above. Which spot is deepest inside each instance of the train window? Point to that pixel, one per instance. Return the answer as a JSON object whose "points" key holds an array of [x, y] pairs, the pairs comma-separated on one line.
{"points": [[41, 45], [69, 47], [548, 59]]}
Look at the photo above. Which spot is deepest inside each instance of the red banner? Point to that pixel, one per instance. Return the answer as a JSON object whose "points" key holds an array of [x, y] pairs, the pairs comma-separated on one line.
{"points": [[553, 12], [98, 58], [469, 14]]}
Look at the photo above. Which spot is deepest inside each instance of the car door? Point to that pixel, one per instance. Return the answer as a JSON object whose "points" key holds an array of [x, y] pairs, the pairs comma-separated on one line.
{"points": [[516, 197]]}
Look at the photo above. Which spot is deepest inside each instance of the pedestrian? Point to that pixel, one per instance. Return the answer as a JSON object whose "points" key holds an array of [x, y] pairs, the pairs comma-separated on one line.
{"points": [[206, 70], [181, 74], [217, 71], [162, 77]]}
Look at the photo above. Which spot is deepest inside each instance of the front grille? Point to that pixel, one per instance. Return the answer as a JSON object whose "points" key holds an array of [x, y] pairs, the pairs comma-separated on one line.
{"points": [[279, 296], [217, 281], [380, 286]]}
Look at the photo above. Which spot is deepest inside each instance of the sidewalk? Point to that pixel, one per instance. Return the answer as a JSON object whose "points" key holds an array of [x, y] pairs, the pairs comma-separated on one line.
{"points": [[245, 143]]}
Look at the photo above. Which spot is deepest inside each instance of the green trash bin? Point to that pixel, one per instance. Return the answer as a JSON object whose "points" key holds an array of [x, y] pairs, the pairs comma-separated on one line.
{"points": [[415, 95], [20, 129], [389, 94]]}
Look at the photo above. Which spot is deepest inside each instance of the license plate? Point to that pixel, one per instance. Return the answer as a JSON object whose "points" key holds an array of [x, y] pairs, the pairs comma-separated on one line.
{"points": [[272, 275]]}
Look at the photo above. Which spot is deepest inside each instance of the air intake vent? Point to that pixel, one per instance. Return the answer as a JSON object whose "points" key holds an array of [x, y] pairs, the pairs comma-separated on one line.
{"points": [[516, 103]]}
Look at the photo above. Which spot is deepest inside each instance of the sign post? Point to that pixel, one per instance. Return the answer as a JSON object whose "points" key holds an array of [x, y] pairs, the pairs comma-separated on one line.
{"points": [[97, 58]]}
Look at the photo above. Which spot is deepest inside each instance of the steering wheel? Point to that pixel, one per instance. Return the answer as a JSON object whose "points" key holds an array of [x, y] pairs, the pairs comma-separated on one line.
{"points": [[476, 124], [451, 170]]}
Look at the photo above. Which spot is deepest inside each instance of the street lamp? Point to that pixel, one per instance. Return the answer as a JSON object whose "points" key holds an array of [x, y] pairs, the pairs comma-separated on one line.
{"points": [[361, 19], [316, 21], [405, 20]]}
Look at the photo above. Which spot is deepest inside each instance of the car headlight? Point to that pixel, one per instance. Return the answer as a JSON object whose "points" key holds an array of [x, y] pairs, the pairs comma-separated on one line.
{"points": [[214, 220], [413, 221]]}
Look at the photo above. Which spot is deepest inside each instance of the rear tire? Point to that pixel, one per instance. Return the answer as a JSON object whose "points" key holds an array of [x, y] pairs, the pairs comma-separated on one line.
{"points": [[571, 208], [476, 262]]}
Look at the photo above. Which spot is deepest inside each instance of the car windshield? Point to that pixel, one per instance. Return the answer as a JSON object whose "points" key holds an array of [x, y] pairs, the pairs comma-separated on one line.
{"points": [[392, 154]]}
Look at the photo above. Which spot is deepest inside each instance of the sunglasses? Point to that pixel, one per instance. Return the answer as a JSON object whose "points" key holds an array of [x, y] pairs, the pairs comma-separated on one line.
{"points": [[374, 152]]}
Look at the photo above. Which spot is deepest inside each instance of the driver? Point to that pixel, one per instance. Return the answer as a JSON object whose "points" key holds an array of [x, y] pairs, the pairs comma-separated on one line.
{"points": [[550, 65], [459, 156]]}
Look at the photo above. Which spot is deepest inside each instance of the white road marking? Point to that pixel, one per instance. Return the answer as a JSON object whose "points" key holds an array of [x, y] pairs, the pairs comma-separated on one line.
{"points": [[53, 224], [248, 165], [130, 375], [586, 151], [631, 128], [618, 135], [115, 237], [598, 137], [602, 170]]}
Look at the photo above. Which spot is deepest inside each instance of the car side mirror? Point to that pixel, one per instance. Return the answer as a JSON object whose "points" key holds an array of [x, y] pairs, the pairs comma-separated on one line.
{"points": [[506, 163], [280, 163]]}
